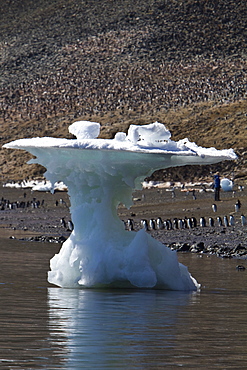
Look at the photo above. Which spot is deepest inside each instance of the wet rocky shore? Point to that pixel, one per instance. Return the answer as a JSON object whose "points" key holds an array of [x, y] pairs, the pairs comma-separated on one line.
{"points": [[221, 233]]}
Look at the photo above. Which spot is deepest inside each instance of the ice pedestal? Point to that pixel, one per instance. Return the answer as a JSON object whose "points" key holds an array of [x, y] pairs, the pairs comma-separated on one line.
{"points": [[100, 174]]}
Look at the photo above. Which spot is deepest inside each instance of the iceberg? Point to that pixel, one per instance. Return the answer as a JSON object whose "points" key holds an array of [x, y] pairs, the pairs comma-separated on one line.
{"points": [[100, 174], [226, 185]]}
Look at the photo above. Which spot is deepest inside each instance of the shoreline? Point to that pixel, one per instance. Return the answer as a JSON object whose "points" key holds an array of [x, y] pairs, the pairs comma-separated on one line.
{"points": [[44, 222]]}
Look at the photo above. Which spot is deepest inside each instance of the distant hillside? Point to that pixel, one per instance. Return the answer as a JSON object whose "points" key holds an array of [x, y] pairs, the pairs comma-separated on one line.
{"points": [[120, 62]]}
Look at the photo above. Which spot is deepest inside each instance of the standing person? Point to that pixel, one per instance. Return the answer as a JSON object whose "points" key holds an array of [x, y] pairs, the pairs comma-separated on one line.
{"points": [[217, 187]]}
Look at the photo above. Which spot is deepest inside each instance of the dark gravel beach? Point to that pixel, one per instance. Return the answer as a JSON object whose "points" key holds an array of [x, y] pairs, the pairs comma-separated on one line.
{"points": [[43, 223]]}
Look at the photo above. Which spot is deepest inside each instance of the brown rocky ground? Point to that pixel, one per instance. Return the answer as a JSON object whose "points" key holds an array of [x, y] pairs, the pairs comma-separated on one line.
{"points": [[181, 63], [222, 126]]}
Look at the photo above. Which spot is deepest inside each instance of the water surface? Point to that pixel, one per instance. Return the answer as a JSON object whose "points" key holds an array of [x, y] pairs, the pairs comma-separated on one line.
{"points": [[42, 326]]}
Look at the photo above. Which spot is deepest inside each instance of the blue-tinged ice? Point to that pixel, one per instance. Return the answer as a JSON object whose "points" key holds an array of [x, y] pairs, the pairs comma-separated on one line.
{"points": [[100, 174]]}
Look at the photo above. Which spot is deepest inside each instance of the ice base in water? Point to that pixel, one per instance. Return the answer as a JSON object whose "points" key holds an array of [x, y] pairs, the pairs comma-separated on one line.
{"points": [[100, 174]]}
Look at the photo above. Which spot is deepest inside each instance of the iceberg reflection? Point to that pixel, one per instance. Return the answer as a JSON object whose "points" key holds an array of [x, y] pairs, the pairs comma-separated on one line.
{"points": [[114, 328]]}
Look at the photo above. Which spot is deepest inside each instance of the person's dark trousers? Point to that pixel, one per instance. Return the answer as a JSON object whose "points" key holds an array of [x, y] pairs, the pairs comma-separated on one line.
{"points": [[217, 194]]}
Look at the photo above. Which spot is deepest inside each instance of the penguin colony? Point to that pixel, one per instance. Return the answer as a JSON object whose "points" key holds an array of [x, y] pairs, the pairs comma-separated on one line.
{"points": [[148, 225], [188, 222], [7, 205], [183, 223]]}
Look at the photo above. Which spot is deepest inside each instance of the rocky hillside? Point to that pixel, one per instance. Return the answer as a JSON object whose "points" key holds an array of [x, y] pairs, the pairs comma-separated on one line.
{"points": [[182, 63]]}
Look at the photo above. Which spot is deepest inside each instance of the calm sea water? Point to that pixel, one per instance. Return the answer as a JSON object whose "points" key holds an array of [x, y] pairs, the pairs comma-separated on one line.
{"points": [[44, 327]]}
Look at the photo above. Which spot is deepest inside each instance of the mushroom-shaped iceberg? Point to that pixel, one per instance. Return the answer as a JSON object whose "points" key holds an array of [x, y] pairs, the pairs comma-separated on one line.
{"points": [[99, 174]]}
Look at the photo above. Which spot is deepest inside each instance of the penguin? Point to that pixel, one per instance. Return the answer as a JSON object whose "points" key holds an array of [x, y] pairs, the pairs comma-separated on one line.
{"points": [[225, 220], [219, 219], [211, 222], [151, 224], [237, 206], [70, 225], [169, 224], [175, 223], [62, 222], [166, 225], [130, 224], [240, 267], [159, 223], [194, 221], [144, 224], [181, 224], [231, 220], [185, 223], [243, 220], [214, 207], [189, 223], [202, 222]]}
